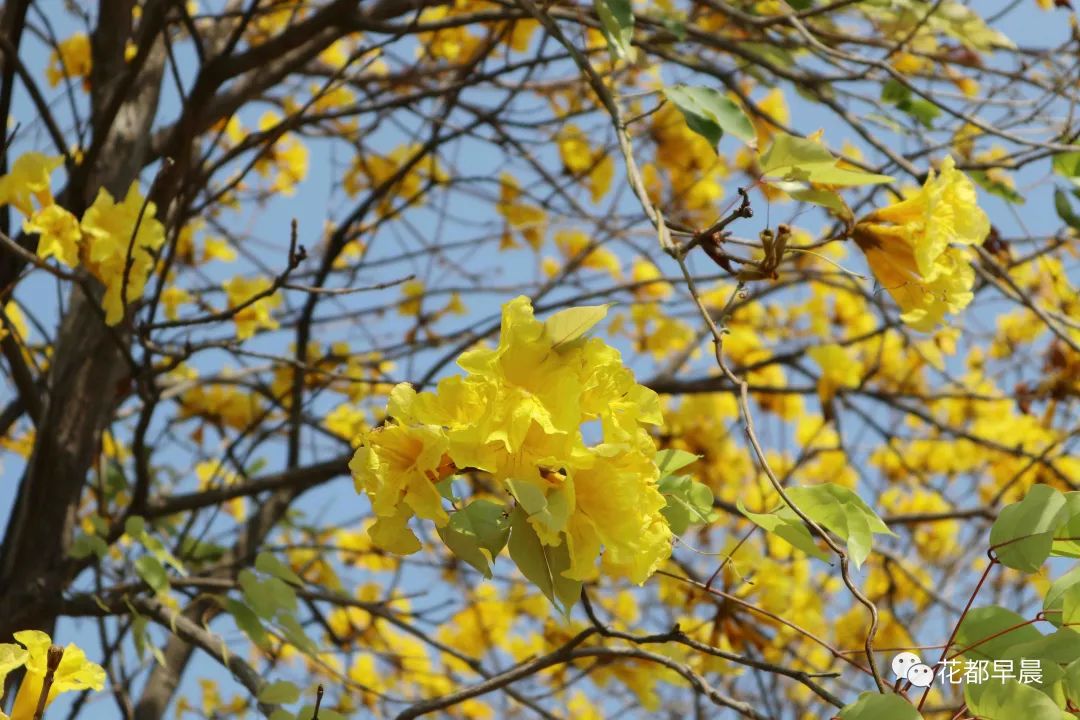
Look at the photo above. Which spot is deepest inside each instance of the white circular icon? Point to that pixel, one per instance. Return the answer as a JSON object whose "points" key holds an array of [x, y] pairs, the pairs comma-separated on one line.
{"points": [[902, 664], [920, 675]]}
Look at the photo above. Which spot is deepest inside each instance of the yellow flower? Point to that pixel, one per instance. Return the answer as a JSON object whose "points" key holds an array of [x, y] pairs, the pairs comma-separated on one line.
{"points": [[70, 59], [518, 415], [453, 43], [217, 249], [12, 657], [595, 169], [527, 219], [692, 169], [774, 106], [908, 246], [617, 504], [256, 315], [172, 298], [370, 170], [109, 235], [649, 282], [75, 672], [838, 370], [59, 231], [29, 178], [348, 422], [398, 466], [225, 405], [412, 292], [573, 244], [287, 155]]}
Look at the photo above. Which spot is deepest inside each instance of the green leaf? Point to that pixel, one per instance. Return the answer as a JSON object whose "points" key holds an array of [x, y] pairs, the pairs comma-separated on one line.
{"points": [[671, 460], [281, 692], [823, 197], [268, 597], [617, 25], [446, 489], [688, 502], [843, 512], [200, 551], [86, 545], [135, 526], [294, 634], [486, 520], [710, 113], [922, 110], [248, 622], [1064, 545], [991, 632], [675, 24], [785, 524], [552, 510], [1062, 601], [115, 482], [875, 706], [138, 634], [1009, 701], [152, 572], [477, 533], [282, 714], [268, 563], [541, 564], [566, 326], [99, 524], [996, 187], [1071, 682], [466, 548], [1067, 165], [797, 159], [1023, 534], [763, 54], [1064, 209], [893, 92], [159, 551], [1060, 647]]}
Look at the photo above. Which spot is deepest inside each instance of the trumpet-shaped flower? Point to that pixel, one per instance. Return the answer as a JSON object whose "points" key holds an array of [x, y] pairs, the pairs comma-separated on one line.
{"points": [[909, 246], [113, 232], [59, 233], [618, 505], [71, 59], [517, 415], [74, 672], [29, 178], [251, 316], [398, 466]]}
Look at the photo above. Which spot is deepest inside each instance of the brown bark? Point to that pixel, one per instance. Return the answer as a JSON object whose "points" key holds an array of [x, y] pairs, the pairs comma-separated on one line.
{"points": [[89, 362]]}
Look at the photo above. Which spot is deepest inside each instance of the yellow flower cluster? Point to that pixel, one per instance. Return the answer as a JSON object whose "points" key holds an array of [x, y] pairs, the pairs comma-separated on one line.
{"points": [[70, 59], [687, 169], [518, 415], [74, 671], [371, 170], [252, 315], [909, 246], [108, 234]]}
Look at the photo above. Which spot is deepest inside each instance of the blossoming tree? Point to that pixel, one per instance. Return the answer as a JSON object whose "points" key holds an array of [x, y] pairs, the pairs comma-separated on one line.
{"points": [[504, 358]]}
